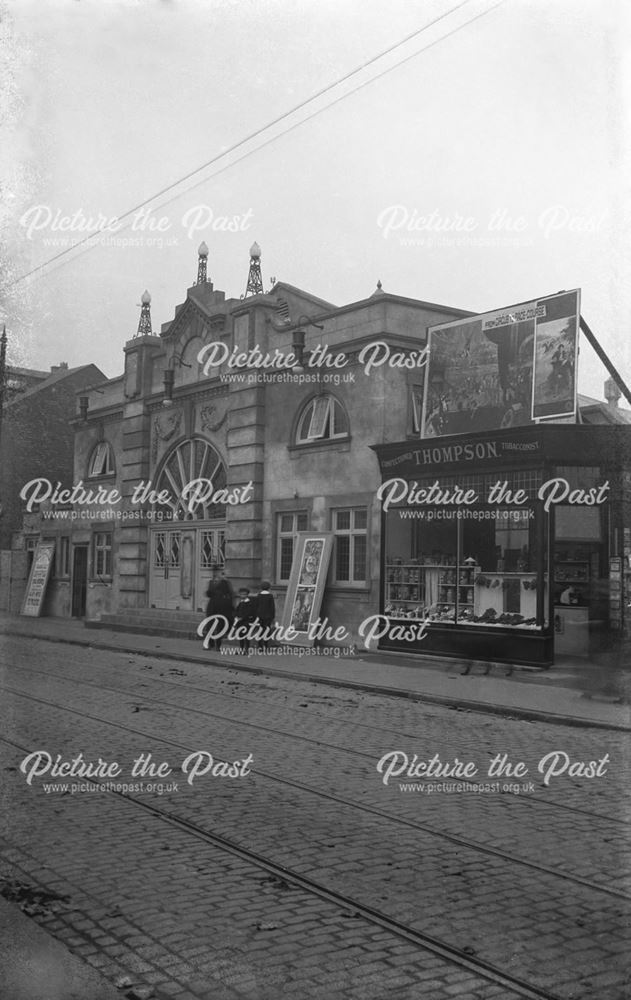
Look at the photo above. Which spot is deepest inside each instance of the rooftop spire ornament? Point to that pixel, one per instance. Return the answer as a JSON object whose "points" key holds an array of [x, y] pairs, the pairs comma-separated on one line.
{"points": [[202, 262], [255, 281], [144, 323]]}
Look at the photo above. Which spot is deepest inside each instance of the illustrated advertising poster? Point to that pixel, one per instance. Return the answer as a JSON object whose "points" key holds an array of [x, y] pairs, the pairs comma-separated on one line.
{"points": [[306, 586], [505, 368], [38, 578], [315, 551]]}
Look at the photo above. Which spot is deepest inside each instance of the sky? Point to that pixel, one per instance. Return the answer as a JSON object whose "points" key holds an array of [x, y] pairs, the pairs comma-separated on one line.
{"points": [[483, 161]]}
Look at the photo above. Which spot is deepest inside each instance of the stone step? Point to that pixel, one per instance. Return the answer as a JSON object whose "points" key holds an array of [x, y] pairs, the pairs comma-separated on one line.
{"points": [[152, 621], [160, 614], [164, 630], [149, 621]]}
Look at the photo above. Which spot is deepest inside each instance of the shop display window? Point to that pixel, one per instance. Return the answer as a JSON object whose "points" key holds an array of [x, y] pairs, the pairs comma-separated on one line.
{"points": [[482, 569]]}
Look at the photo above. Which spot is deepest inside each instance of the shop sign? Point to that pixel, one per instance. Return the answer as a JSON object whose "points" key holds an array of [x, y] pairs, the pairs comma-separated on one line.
{"points": [[480, 451], [503, 369], [488, 451]]}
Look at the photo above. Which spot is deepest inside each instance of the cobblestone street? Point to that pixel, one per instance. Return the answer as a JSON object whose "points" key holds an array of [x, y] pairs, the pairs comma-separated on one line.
{"points": [[291, 865]]}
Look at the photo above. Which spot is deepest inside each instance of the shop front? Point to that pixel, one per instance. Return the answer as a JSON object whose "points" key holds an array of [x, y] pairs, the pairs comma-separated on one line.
{"points": [[510, 546]]}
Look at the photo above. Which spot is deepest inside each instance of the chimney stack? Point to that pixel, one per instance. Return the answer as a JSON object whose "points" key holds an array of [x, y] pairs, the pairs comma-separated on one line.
{"points": [[612, 393]]}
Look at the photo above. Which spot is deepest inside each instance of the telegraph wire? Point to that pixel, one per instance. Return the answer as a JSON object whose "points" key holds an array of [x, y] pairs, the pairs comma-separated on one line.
{"points": [[326, 107], [271, 124]]}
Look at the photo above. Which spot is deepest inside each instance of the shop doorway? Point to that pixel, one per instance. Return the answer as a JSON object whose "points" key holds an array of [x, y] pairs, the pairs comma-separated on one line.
{"points": [[79, 580], [580, 586]]}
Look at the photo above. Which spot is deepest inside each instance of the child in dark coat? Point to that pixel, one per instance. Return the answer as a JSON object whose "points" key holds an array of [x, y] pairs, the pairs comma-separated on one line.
{"points": [[244, 615]]}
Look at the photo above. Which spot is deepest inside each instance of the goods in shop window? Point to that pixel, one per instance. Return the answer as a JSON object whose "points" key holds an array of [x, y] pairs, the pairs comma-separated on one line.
{"points": [[571, 595]]}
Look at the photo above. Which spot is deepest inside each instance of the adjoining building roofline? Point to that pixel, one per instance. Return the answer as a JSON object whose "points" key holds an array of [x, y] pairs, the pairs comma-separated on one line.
{"points": [[51, 380]]}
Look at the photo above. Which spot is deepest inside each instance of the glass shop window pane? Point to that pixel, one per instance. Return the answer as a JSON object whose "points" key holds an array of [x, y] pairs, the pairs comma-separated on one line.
{"points": [[359, 558], [500, 554], [421, 570], [343, 520], [342, 558]]}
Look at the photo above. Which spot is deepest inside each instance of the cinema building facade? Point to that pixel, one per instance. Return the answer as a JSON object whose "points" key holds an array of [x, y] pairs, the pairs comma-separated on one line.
{"points": [[294, 442], [305, 445]]}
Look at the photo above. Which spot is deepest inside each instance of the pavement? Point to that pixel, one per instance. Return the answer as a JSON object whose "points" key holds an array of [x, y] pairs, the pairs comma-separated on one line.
{"points": [[37, 967], [574, 691]]}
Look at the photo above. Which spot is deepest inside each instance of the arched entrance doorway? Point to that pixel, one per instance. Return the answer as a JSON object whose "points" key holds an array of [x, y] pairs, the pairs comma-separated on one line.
{"points": [[190, 540]]}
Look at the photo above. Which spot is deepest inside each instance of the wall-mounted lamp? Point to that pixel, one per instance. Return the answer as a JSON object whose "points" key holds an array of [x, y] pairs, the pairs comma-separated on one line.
{"points": [[169, 378], [298, 341], [298, 349], [168, 375], [84, 402]]}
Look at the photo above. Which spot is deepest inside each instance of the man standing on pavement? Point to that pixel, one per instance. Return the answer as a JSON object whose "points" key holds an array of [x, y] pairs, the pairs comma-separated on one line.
{"points": [[265, 610], [220, 601]]}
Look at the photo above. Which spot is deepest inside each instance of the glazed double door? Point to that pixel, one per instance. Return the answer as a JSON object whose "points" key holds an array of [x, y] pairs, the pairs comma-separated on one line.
{"points": [[182, 563]]}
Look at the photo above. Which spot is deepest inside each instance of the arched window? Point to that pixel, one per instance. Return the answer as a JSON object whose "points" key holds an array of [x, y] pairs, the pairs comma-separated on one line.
{"points": [[322, 419], [101, 461], [193, 461]]}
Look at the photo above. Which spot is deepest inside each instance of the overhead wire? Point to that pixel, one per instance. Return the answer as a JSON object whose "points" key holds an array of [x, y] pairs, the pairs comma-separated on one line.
{"points": [[89, 238]]}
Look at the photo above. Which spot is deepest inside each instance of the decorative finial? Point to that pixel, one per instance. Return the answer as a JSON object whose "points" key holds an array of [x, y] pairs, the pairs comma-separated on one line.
{"points": [[379, 286], [202, 264], [144, 323], [255, 280]]}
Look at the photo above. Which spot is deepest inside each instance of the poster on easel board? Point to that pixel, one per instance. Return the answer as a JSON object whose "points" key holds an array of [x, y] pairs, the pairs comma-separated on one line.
{"points": [[38, 579], [306, 585]]}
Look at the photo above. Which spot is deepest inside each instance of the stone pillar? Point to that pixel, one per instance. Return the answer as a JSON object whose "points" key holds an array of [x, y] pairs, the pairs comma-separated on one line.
{"points": [[246, 447], [131, 554]]}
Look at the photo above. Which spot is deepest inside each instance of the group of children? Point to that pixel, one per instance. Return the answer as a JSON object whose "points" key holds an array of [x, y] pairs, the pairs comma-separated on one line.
{"points": [[259, 609]]}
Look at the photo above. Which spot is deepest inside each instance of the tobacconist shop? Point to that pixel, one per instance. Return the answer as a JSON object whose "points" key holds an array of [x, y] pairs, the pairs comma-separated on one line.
{"points": [[512, 545]]}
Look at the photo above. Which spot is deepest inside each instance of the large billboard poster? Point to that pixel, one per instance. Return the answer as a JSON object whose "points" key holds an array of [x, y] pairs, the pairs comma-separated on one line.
{"points": [[504, 368]]}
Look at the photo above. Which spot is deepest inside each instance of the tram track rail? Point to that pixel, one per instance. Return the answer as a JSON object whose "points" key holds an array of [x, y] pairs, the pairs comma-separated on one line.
{"points": [[339, 800], [458, 957], [530, 800]]}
